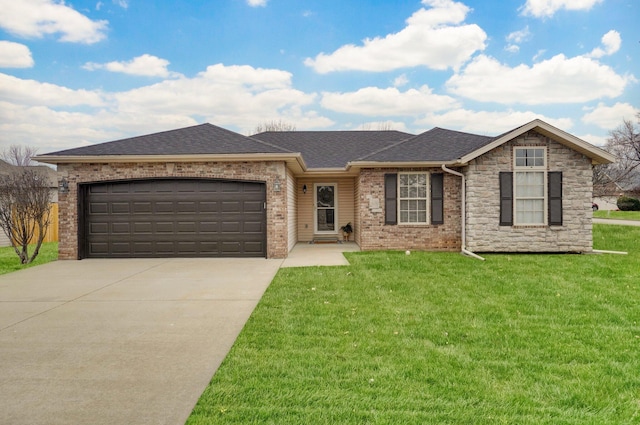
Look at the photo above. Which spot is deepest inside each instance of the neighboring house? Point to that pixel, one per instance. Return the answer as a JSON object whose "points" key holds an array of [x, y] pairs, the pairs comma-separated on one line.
{"points": [[207, 191], [605, 196], [52, 179]]}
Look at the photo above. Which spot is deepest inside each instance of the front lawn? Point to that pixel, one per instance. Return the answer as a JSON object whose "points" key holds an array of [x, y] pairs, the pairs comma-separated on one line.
{"points": [[438, 338], [9, 261], [619, 215]]}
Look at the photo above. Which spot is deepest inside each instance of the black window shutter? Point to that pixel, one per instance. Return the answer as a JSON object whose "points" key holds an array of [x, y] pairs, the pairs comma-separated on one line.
{"points": [[506, 198], [437, 198], [555, 198], [390, 199]]}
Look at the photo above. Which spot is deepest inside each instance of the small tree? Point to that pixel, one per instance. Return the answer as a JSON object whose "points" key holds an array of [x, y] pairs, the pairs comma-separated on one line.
{"points": [[25, 210], [624, 143]]}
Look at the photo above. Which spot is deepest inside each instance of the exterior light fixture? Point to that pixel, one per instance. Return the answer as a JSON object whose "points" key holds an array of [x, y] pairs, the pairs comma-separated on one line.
{"points": [[64, 186], [276, 185], [304, 189]]}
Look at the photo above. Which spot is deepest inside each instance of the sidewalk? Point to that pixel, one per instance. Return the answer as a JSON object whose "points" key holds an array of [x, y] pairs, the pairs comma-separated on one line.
{"points": [[617, 222]]}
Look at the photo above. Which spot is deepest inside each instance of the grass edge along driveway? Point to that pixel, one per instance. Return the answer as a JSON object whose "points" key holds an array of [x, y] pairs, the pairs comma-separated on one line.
{"points": [[439, 338]]}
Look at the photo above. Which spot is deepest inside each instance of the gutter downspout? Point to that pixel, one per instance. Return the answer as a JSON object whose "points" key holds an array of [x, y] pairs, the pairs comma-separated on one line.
{"points": [[464, 213]]}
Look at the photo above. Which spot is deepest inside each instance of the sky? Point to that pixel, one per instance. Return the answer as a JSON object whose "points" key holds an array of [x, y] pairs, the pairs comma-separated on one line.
{"points": [[76, 72]]}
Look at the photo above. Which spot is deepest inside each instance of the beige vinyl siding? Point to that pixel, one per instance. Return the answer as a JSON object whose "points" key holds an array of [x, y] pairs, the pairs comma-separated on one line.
{"points": [[292, 210], [346, 204]]}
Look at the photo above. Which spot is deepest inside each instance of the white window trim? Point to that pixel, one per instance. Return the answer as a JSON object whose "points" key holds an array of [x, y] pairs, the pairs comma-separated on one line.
{"points": [[531, 168], [400, 199], [335, 209]]}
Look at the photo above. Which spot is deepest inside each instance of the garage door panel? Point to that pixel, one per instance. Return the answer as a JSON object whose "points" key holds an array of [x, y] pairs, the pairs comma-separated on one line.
{"points": [[164, 207], [175, 218], [120, 228], [142, 207], [98, 208]]}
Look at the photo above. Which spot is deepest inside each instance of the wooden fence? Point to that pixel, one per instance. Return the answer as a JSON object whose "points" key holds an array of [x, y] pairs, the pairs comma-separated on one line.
{"points": [[52, 230]]}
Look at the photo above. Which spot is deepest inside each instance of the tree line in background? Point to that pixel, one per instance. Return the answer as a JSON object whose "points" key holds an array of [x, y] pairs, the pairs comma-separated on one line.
{"points": [[623, 176]]}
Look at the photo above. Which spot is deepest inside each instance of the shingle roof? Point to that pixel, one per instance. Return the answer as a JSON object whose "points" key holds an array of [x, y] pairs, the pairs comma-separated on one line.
{"points": [[332, 149], [437, 144], [196, 140]]}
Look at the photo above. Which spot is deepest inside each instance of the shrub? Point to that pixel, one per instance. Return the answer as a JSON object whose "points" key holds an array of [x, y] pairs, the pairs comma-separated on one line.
{"points": [[628, 204]]}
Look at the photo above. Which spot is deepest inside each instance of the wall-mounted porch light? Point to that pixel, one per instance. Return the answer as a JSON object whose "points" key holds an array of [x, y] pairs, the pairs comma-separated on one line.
{"points": [[276, 185], [64, 186], [304, 189]]}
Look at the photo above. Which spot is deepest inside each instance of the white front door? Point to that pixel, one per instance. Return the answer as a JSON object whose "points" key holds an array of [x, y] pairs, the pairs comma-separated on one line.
{"points": [[326, 207]]}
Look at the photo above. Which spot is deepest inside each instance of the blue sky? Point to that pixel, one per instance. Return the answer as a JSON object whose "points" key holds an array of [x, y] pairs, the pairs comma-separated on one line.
{"points": [[75, 73]]}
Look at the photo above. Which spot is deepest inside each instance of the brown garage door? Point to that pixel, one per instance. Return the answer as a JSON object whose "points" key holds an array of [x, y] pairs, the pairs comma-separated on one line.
{"points": [[173, 218]]}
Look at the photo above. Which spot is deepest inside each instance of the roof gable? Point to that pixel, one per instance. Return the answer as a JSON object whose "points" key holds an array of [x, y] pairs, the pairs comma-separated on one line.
{"points": [[435, 145], [596, 154]]}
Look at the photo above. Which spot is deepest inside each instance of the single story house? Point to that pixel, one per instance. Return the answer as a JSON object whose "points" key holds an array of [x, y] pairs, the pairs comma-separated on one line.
{"points": [[207, 191]]}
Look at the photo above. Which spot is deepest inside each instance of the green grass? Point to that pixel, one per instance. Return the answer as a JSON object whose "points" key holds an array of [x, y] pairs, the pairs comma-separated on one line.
{"points": [[438, 338], [9, 261], [619, 215]]}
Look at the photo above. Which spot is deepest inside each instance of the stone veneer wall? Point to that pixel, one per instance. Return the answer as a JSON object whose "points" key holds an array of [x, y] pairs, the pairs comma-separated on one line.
{"points": [[484, 234], [375, 235], [277, 231]]}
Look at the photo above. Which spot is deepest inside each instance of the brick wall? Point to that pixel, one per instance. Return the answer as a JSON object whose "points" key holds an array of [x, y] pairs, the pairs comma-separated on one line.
{"points": [[484, 234], [373, 234], [277, 231]]}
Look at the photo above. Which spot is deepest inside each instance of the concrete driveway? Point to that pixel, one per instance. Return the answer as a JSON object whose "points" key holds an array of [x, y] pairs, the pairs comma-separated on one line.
{"points": [[131, 341]]}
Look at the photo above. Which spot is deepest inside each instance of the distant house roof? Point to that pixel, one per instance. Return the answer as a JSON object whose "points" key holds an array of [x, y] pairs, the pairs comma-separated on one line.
{"points": [[50, 173]]}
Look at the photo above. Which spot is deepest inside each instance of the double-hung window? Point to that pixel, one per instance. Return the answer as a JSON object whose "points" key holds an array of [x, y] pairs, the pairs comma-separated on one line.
{"points": [[530, 185], [413, 194]]}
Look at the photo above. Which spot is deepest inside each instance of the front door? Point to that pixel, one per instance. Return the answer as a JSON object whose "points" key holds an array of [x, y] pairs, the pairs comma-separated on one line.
{"points": [[326, 207]]}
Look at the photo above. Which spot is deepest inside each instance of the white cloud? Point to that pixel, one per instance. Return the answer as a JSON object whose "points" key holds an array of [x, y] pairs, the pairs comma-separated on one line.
{"points": [[556, 80], [519, 37], [122, 3], [37, 18], [31, 92], [374, 101], [512, 48], [15, 55], [400, 80], [516, 38], [434, 38], [547, 8], [236, 97], [610, 117], [611, 42], [145, 65], [488, 123], [257, 3]]}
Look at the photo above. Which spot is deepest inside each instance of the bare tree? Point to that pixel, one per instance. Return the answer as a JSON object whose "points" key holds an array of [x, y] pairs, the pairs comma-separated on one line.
{"points": [[380, 126], [25, 210], [19, 155], [624, 143], [275, 125]]}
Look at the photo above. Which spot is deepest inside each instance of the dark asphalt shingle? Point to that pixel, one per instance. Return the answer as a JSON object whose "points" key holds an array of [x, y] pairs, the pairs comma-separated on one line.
{"points": [[437, 144], [200, 139], [332, 149]]}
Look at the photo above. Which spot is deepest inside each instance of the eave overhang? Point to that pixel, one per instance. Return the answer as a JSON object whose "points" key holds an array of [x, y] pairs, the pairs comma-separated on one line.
{"points": [[293, 160]]}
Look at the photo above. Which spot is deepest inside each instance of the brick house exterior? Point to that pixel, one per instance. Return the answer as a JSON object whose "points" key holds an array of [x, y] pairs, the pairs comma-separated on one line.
{"points": [[441, 190]]}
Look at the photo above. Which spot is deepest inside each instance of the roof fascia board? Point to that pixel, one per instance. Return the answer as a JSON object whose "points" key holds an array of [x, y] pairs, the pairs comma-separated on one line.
{"points": [[290, 158], [392, 164], [597, 155]]}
